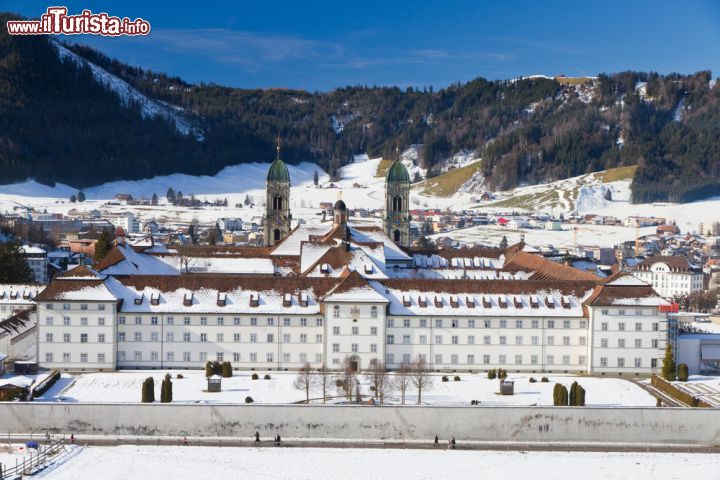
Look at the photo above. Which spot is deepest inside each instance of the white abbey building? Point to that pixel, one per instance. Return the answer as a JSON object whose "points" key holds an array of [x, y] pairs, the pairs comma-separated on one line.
{"points": [[670, 276], [321, 293]]}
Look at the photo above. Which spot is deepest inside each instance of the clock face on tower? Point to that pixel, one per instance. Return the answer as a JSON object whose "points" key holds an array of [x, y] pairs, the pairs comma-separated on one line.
{"points": [[278, 220]]}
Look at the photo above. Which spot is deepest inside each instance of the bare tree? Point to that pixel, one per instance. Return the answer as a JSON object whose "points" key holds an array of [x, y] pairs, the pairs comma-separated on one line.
{"points": [[420, 377], [324, 380], [402, 380], [347, 379], [378, 377], [304, 380]]}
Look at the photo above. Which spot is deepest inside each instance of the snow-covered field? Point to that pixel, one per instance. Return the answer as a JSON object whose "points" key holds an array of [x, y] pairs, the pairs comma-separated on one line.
{"points": [[602, 235], [126, 387], [130, 462], [360, 187]]}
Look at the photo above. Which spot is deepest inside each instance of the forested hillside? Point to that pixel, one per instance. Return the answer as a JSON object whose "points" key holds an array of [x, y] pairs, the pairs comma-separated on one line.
{"points": [[58, 123]]}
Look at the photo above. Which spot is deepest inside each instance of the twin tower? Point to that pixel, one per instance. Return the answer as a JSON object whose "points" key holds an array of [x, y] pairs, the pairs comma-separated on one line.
{"points": [[396, 221]]}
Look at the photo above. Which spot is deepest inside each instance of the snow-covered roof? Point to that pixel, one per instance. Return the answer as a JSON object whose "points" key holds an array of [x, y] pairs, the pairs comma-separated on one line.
{"points": [[123, 259], [291, 245], [20, 294], [506, 299], [219, 264]]}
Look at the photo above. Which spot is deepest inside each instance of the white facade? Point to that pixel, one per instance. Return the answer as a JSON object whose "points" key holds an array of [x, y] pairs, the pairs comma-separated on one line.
{"points": [[77, 335], [16, 298], [281, 323], [669, 280], [37, 261], [627, 339]]}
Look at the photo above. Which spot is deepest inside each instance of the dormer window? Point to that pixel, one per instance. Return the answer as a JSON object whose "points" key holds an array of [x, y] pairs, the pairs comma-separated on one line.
{"points": [[222, 299], [454, 303], [188, 299], [438, 302], [287, 300], [422, 301], [518, 302], [155, 299], [502, 301], [565, 302], [406, 301], [549, 302], [139, 299], [368, 269], [325, 268], [254, 300], [534, 303], [303, 299], [470, 302]]}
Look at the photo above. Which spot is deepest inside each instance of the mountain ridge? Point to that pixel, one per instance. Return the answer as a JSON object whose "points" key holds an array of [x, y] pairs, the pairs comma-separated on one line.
{"points": [[63, 125]]}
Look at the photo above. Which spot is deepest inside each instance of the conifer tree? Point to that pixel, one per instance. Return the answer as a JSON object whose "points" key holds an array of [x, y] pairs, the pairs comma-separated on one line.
{"points": [[103, 245], [227, 370], [154, 200], [316, 178], [81, 196], [13, 264], [166, 389], [170, 196], [668, 367], [683, 373]]}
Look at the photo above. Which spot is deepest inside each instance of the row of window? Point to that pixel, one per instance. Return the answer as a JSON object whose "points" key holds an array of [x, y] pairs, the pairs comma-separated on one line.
{"points": [[620, 362], [373, 312], [220, 321], [621, 343], [219, 337], [486, 323], [624, 311], [355, 348], [487, 359], [50, 321], [138, 356], [605, 326], [486, 340], [67, 338], [83, 306]]}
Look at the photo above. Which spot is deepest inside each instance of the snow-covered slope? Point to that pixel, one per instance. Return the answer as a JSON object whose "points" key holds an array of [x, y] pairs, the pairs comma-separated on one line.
{"points": [[128, 95]]}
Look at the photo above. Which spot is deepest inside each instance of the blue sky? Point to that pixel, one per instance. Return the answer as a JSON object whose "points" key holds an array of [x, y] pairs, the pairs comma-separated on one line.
{"points": [[320, 45]]}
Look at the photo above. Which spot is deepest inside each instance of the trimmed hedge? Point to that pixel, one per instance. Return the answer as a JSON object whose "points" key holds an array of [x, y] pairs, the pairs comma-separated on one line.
{"points": [[670, 389], [45, 385]]}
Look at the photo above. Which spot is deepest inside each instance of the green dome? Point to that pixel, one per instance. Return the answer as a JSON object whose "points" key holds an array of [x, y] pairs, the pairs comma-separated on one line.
{"points": [[278, 172], [397, 173]]}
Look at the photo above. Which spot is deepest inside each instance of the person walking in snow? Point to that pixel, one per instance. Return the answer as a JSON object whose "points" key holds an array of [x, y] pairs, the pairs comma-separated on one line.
{"points": [[452, 442], [437, 442], [257, 437], [185, 442], [72, 438]]}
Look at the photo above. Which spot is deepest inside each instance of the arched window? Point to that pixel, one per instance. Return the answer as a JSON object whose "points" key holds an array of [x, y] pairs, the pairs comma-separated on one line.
{"points": [[397, 203], [396, 235], [276, 234], [277, 202]]}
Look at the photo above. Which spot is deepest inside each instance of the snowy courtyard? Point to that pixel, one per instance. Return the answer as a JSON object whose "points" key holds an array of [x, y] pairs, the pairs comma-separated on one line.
{"points": [[126, 387], [126, 462]]}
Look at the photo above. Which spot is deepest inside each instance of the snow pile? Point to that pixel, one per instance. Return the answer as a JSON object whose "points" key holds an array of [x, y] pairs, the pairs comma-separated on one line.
{"points": [[128, 94]]}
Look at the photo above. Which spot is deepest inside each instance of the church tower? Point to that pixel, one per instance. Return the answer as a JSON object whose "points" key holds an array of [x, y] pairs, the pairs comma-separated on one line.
{"points": [[397, 203], [277, 210]]}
